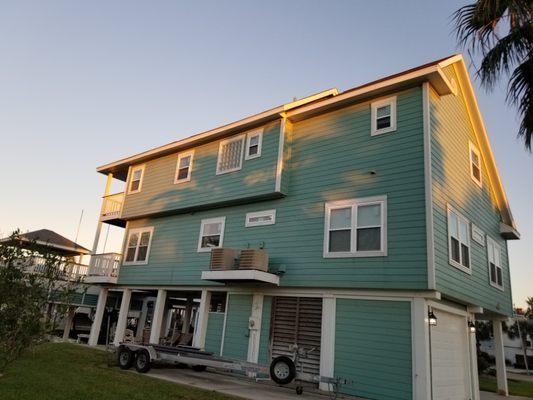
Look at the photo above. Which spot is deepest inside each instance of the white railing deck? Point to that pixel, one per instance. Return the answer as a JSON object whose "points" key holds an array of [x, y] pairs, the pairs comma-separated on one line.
{"points": [[68, 270], [105, 265], [112, 206]]}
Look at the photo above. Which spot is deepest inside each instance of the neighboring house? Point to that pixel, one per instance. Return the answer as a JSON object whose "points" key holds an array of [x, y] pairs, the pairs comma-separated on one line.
{"points": [[354, 216]]}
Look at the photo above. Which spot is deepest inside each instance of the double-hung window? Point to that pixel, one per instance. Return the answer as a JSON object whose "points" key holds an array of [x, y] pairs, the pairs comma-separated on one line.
{"points": [[475, 164], [211, 233], [136, 179], [254, 143], [356, 228], [458, 240], [383, 114], [138, 246], [230, 152], [184, 167], [495, 264]]}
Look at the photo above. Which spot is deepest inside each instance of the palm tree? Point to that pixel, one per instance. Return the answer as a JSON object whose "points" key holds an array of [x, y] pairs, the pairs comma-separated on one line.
{"points": [[502, 32]]}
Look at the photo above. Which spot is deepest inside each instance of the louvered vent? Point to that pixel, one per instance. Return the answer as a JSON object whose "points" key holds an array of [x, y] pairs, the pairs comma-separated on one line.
{"points": [[254, 259], [222, 259]]}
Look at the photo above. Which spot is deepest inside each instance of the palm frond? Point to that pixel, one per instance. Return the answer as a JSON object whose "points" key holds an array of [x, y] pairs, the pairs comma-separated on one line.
{"points": [[520, 92]]}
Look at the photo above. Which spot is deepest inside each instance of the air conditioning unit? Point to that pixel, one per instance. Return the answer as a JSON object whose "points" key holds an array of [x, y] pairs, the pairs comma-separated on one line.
{"points": [[222, 259], [254, 259]]}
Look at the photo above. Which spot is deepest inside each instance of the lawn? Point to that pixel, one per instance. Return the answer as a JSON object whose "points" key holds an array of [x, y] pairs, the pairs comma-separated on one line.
{"points": [[516, 388], [72, 372]]}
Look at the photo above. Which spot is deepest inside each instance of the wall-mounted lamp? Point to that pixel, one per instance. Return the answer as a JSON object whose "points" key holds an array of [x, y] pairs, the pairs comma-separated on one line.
{"points": [[432, 318], [472, 327]]}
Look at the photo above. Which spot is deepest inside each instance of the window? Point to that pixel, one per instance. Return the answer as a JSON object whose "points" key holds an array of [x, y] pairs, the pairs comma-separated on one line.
{"points": [[495, 265], [136, 179], [218, 302], [211, 233], [259, 218], [138, 246], [230, 155], [184, 167], [459, 240], [475, 164], [383, 116], [356, 228], [253, 144]]}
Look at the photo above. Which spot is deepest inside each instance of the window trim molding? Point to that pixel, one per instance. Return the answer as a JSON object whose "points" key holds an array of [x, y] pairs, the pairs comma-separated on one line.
{"points": [[473, 148], [392, 100], [180, 157], [451, 261], [496, 246], [203, 222], [249, 136], [240, 137], [140, 231], [354, 203], [141, 167], [249, 215]]}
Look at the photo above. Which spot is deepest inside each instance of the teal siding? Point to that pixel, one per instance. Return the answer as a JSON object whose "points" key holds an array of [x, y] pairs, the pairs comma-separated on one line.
{"points": [[451, 132], [159, 194], [90, 300], [237, 333], [213, 335], [264, 341], [296, 240], [373, 348]]}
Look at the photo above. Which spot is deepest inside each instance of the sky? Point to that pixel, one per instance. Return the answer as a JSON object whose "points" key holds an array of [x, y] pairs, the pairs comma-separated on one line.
{"points": [[86, 83]]}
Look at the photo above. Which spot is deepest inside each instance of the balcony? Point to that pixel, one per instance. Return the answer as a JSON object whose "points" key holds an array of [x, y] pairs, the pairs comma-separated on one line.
{"points": [[112, 210], [104, 268], [70, 271]]}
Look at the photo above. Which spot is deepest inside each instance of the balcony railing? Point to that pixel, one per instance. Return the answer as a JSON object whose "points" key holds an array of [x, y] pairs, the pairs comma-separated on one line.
{"points": [[112, 206], [67, 270], [104, 268]]}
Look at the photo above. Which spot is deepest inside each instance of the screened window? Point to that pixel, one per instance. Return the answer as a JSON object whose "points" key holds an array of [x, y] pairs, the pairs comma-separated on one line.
{"points": [[253, 144], [184, 167], [459, 240], [475, 164], [211, 233], [230, 155], [495, 264], [383, 116], [356, 228], [136, 179], [138, 245]]}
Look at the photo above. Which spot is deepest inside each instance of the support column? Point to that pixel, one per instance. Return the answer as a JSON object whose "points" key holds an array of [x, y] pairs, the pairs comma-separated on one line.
{"points": [[499, 353], [473, 361], [99, 226], [421, 349], [157, 320], [327, 341], [122, 317], [187, 316], [99, 314], [68, 322], [142, 320], [201, 322], [254, 325]]}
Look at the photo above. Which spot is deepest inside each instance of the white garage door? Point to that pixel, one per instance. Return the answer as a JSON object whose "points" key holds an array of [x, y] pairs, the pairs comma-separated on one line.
{"points": [[450, 357]]}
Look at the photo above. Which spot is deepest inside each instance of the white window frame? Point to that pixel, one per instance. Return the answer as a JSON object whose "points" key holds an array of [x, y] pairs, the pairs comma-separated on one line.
{"points": [[374, 108], [497, 247], [460, 217], [221, 144], [249, 136], [220, 220], [266, 213], [180, 157], [473, 149], [354, 203], [140, 231], [132, 173]]}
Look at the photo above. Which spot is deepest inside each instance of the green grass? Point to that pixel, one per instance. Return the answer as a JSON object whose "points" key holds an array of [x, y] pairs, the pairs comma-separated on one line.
{"points": [[67, 371], [516, 388]]}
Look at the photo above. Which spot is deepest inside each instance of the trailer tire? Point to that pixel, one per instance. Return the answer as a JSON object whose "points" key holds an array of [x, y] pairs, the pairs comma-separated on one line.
{"points": [[282, 370], [125, 357], [199, 368], [142, 361]]}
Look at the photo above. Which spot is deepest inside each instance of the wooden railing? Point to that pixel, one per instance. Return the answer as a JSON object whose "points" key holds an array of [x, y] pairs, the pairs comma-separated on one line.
{"points": [[106, 264], [112, 206]]}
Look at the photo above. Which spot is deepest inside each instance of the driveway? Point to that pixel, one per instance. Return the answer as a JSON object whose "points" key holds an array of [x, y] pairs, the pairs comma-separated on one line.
{"points": [[494, 396]]}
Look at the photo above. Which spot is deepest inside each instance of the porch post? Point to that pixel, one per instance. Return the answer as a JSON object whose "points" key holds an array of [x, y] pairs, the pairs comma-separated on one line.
{"points": [[99, 226], [255, 328], [187, 316], [473, 362], [157, 320], [99, 314], [499, 353], [327, 341], [68, 322], [122, 317], [421, 349], [142, 320], [201, 322]]}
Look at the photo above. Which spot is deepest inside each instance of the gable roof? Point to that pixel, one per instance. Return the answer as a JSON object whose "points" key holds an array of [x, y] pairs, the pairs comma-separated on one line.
{"points": [[53, 241]]}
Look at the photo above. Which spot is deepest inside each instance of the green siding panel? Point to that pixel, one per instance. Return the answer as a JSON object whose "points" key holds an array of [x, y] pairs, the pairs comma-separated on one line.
{"points": [[213, 335], [237, 333], [264, 340], [373, 348], [451, 132]]}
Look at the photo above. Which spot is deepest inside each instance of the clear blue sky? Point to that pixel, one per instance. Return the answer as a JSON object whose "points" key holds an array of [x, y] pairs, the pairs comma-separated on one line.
{"points": [[85, 83]]}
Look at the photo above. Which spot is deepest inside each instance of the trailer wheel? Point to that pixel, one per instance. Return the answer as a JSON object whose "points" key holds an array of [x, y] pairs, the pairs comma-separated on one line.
{"points": [[142, 361], [126, 357], [282, 370], [199, 368]]}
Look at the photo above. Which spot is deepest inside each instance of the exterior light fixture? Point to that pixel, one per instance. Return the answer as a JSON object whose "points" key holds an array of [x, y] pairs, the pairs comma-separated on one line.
{"points": [[432, 318], [472, 326]]}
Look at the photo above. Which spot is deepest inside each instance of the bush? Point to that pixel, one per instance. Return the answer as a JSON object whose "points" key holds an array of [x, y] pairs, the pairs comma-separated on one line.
{"points": [[484, 361]]}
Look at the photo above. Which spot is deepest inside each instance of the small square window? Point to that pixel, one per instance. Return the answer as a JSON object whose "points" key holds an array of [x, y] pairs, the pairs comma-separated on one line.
{"points": [[254, 144], [230, 153], [211, 234], [136, 179], [184, 167], [383, 113], [475, 164]]}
